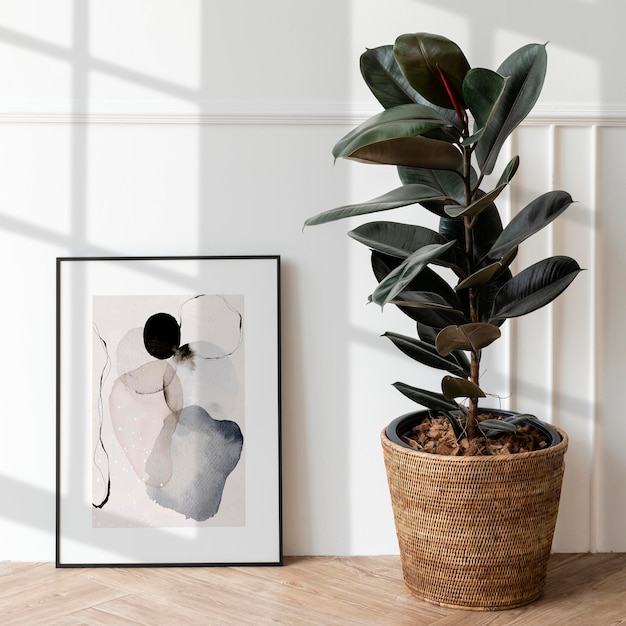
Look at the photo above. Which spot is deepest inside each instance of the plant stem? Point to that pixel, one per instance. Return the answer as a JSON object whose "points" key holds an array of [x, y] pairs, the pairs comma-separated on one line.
{"points": [[472, 414]]}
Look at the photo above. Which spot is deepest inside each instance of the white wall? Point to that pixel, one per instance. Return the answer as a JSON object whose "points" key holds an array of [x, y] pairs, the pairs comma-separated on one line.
{"points": [[183, 127]]}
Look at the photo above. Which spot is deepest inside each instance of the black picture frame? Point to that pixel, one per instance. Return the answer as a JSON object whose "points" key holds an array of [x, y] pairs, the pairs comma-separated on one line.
{"points": [[168, 411]]}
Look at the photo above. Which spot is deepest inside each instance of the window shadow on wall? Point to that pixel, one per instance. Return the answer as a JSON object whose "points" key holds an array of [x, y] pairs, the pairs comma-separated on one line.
{"points": [[236, 213]]}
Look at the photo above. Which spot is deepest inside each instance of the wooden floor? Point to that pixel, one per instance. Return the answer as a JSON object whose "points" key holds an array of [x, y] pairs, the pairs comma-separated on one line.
{"points": [[582, 590]]}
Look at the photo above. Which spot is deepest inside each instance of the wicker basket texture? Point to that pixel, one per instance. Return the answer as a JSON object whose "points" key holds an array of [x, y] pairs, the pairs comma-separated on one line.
{"points": [[475, 532]]}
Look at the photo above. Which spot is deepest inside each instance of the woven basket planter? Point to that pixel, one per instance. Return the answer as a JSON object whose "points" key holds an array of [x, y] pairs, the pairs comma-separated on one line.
{"points": [[475, 532]]}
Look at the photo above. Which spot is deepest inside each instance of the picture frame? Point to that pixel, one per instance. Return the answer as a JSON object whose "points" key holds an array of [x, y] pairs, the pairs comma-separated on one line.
{"points": [[168, 411]]}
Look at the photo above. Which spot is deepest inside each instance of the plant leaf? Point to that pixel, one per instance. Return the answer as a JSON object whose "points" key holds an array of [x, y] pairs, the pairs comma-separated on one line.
{"points": [[482, 89], [427, 300], [429, 399], [487, 229], [449, 184], [474, 337], [410, 152], [399, 197], [423, 57], [395, 239], [520, 417], [526, 70], [488, 273], [506, 424], [400, 277], [406, 120], [534, 287], [425, 353], [472, 138], [509, 171], [492, 427], [401, 240], [460, 388], [427, 281], [532, 218], [488, 294], [477, 206], [417, 306], [383, 76], [429, 334]]}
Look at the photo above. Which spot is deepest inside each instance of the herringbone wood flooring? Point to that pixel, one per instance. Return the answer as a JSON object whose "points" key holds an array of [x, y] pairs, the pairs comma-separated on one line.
{"points": [[583, 589]]}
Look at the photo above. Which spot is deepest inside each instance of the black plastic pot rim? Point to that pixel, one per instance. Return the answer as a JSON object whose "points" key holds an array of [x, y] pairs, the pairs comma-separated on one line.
{"points": [[402, 425]]}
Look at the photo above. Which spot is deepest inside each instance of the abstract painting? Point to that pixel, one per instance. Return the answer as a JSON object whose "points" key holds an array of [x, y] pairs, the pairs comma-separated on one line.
{"points": [[170, 388], [180, 412]]}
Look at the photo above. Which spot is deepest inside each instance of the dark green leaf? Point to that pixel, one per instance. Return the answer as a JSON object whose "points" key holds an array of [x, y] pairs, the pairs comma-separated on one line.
{"points": [[472, 138], [436, 316], [410, 152], [474, 337], [507, 424], [477, 206], [488, 273], [449, 184], [427, 300], [488, 294], [385, 80], [402, 196], [482, 89], [401, 240], [399, 278], [486, 230], [427, 333], [532, 218], [525, 69], [481, 277], [429, 399], [520, 417], [395, 239], [534, 287], [425, 353], [426, 281], [509, 171], [491, 427], [407, 120], [422, 56], [460, 388]]}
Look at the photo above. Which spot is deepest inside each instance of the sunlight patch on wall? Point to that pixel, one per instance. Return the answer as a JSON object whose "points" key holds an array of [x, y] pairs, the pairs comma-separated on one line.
{"points": [[48, 22], [124, 37], [54, 75], [26, 190]]}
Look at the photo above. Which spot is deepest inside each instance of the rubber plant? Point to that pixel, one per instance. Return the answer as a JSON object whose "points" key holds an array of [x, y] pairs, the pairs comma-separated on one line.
{"points": [[443, 125]]}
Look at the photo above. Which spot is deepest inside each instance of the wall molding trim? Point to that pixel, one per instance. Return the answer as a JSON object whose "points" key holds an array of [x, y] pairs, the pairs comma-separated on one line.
{"points": [[262, 113]]}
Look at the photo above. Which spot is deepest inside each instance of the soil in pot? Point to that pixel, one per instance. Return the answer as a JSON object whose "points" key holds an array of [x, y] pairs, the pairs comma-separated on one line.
{"points": [[435, 435]]}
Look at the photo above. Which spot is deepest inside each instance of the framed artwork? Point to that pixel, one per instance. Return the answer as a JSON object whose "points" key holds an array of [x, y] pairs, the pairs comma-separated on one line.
{"points": [[168, 411]]}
